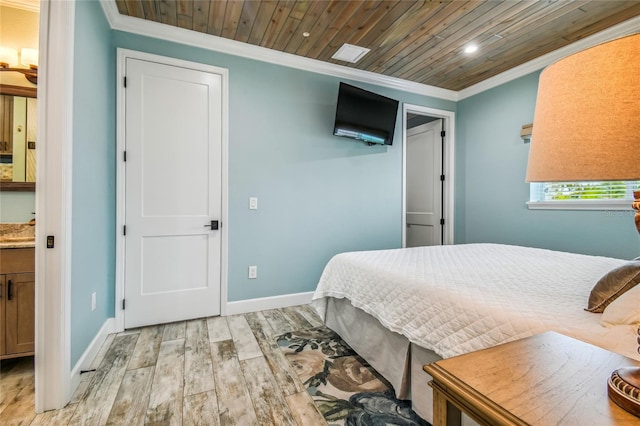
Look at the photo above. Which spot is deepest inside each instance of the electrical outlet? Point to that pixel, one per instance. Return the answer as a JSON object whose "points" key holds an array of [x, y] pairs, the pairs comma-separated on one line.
{"points": [[253, 272], [253, 203], [93, 301]]}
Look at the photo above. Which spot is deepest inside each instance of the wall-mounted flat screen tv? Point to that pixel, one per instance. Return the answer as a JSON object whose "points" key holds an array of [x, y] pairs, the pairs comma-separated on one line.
{"points": [[365, 116]]}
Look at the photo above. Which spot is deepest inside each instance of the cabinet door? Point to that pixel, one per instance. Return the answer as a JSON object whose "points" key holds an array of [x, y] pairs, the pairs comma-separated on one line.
{"points": [[20, 313], [3, 296]]}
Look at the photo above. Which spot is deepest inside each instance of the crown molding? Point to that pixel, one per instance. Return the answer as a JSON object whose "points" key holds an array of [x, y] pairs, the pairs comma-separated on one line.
{"points": [[628, 27], [232, 47], [28, 5], [218, 44]]}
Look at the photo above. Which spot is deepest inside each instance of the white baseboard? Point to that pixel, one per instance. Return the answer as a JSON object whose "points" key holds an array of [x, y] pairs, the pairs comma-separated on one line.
{"points": [[87, 357], [274, 302]]}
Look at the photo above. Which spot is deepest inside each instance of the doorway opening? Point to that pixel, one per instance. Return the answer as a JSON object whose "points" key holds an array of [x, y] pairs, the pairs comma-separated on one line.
{"points": [[427, 202], [19, 31]]}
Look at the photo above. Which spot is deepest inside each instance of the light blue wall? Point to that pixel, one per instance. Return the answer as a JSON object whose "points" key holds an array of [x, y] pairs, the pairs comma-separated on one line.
{"points": [[17, 207], [318, 194], [93, 210], [491, 167]]}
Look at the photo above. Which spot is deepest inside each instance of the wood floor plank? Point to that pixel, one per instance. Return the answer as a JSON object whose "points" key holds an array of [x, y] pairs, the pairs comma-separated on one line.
{"points": [[147, 348], [310, 314], [268, 401], [14, 382], [234, 402], [7, 398], [165, 401], [243, 338], [130, 405], [15, 379], [298, 321], [103, 351], [304, 410], [82, 388], [94, 409], [198, 370], [174, 331], [21, 409], [201, 409], [284, 374], [257, 321], [55, 417], [278, 321], [218, 329]]}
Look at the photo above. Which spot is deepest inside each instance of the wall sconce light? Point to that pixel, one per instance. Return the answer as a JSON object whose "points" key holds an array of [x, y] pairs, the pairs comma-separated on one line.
{"points": [[526, 131], [28, 58]]}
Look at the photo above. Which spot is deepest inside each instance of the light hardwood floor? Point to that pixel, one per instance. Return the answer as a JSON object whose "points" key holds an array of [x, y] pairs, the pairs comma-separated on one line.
{"points": [[212, 371]]}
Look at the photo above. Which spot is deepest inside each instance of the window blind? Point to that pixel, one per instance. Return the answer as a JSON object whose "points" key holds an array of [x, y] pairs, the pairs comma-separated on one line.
{"points": [[565, 191]]}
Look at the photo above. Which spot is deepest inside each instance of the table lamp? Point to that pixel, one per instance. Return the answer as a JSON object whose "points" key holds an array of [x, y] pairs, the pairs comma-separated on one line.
{"points": [[587, 128]]}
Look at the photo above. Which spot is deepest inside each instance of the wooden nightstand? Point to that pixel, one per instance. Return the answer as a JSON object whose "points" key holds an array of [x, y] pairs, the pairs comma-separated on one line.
{"points": [[548, 379]]}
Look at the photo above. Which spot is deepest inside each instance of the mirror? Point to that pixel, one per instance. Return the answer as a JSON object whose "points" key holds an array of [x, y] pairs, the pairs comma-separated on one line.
{"points": [[18, 132]]}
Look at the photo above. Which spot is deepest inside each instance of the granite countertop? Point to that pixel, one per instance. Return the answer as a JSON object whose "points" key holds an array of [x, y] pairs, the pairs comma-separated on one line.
{"points": [[17, 235]]}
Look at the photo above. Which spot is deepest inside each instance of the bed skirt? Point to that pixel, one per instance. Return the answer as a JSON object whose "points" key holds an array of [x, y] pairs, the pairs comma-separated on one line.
{"points": [[391, 354]]}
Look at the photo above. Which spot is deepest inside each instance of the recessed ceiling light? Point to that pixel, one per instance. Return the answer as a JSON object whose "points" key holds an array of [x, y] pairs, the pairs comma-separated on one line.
{"points": [[350, 53], [470, 48]]}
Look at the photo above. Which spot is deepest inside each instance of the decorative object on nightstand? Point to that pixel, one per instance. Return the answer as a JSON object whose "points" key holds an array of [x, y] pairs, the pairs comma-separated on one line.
{"points": [[623, 387], [587, 128]]}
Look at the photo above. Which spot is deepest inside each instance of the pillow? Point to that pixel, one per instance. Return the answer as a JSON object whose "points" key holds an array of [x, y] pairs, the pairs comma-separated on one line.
{"points": [[625, 310], [612, 285]]}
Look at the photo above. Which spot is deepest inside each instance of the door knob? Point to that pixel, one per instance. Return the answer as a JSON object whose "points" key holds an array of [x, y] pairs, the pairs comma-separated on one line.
{"points": [[213, 225]]}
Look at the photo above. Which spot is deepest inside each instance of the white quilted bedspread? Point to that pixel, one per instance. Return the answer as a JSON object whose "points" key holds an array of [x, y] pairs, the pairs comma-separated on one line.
{"points": [[458, 299]]}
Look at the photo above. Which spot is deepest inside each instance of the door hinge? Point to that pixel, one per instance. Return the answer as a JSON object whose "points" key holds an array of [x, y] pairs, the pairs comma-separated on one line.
{"points": [[125, 82], [442, 178], [124, 230], [124, 155], [123, 304], [442, 221], [443, 134]]}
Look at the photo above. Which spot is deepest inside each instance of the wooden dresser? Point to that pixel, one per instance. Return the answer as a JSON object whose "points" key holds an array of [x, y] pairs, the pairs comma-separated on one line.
{"points": [[17, 302]]}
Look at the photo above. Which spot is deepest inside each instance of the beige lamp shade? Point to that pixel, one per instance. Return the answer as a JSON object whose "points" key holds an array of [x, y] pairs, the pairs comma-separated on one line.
{"points": [[587, 119]]}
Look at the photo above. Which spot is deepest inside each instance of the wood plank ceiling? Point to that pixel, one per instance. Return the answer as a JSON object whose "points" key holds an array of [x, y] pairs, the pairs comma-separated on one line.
{"points": [[419, 41]]}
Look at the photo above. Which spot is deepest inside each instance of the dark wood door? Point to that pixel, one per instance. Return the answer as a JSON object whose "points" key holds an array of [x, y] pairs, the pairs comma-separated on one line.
{"points": [[19, 313]]}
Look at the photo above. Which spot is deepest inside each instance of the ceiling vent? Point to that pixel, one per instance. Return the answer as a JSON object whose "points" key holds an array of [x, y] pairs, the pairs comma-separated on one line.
{"points": [[350, 53]]}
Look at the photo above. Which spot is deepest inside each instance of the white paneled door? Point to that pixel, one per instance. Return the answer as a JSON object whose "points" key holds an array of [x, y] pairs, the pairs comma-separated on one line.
{"points": [[424, 189], [173, 198]]}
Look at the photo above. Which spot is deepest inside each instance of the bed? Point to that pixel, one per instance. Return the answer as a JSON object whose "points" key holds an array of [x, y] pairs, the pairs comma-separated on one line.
{"points": [[403, 308]]}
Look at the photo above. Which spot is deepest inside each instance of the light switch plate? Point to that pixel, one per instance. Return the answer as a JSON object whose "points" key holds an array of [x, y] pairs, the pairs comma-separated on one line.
{"points": [[253, 203]]}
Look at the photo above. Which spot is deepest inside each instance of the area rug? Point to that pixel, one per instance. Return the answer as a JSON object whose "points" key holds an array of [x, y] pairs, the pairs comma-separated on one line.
{"points": [[344, 387]]}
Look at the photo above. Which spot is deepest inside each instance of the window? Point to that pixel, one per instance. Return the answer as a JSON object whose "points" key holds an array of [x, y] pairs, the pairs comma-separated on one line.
{"points": [[616, 195]]}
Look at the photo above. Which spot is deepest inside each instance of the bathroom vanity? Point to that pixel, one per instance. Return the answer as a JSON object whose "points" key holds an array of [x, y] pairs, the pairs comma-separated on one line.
{"points": [[17, 296]]}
